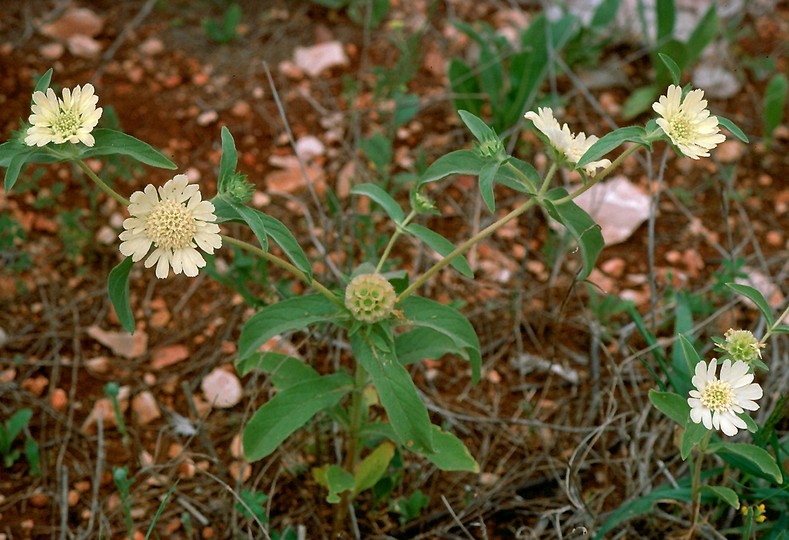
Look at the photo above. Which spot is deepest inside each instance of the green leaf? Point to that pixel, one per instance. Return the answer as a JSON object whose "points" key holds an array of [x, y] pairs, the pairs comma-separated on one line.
{"points": [[17, 423], [639, 101], [757, 457], [774, 102], [612, 140], [292, 314], [278, 232], [580, 225], [449, 453], [457, 162], [524, 178], [406, 108], [420, 343], [109, 142], [378, 149], [691, 356], [642, 505], [397, 392], [487, 175], [756, 297], [290, 409], [666, 14], [381, 197], [227, 209], [33, 457], [14, 167], [118, 286], [731, 126], [448, 321], [702, 35], [285, 371], [441, 245], [228, 162], [691, 436], [481, 131], [753, 427], [335, 479], [43, 82], [723, 493], [464, 86], [604, 14], [676, 72], [372, 467], [672, 405]]}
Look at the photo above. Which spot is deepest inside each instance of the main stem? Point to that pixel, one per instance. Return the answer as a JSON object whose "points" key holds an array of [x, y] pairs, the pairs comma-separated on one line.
{"points": [[695, 490], [393, 239], [285, 265], [352, 451]]}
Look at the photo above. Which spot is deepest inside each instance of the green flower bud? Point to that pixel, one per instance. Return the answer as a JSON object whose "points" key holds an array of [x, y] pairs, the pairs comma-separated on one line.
{"points": [[742, 345], [492, 148], [370, 298], [237, 188]]}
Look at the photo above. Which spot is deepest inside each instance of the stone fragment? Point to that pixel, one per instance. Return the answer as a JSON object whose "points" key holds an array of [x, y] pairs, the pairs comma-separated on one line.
{"points": [[167, 356], [145, 408], [221, 388], [75, 21], [618, 206], [313, 60], [121, 343]]}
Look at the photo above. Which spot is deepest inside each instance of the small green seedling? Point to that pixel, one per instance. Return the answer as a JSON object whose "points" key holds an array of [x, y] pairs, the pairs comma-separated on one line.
{"points": [[226, 30], [9, 431]]}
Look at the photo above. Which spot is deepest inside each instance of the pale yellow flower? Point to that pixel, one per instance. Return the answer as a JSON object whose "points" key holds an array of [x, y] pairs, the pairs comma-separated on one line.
{"points": [[571, 146], [715, 402], [176, 222], [68, 119], [687, 122]]}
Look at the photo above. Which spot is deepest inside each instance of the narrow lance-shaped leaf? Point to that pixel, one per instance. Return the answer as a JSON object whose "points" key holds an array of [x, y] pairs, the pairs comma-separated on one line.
{"points": [[226, 209], [290, 409], [610, 141], [676, 72], [689, 351], [757, 457], [446, 320], [381, 197], [43, 82], [672, 405], [774, 102], [731, 126], [397, 392], [487, 177], [725, 494], [229, 160], [450, 454], [292, 314], [372, 467], [580, 225], [110, 142], [118, 286], [756, 297], [280, 234], [457, 162], [481, 131], [443, 246], [691, 436]]}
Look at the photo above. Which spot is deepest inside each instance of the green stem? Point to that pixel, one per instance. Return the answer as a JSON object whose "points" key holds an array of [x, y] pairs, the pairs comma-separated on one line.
{"points": [[99, 182], [523, 177], [487, 231], [285, 265], [774, 326], [547, 181], [598, 177], [695, 491], [393, 239], [352, 455]]}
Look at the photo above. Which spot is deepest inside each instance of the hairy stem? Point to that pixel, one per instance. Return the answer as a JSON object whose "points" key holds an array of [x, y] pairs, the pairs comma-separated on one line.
{"points": [[102, 185], [285, 265]]}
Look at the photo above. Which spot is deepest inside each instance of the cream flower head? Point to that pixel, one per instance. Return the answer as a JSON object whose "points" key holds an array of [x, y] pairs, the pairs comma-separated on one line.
{"points": [[716, 402], [176, 221], [70, 118], [571, 146], [687, 122]]}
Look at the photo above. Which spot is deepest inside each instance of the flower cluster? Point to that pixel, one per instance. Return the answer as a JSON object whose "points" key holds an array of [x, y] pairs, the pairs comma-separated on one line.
{"points": [[370, 298], [68, 119], [569, 145], [740, 345], [716, 402], [175, 221], [687, 122]]}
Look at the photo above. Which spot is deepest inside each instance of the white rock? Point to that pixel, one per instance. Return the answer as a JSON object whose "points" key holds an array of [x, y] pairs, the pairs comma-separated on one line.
{"points": [[221, 388], [618, 206], [309, 147], [208, 117], [717, 82], [313, 60], [83, 46]]}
